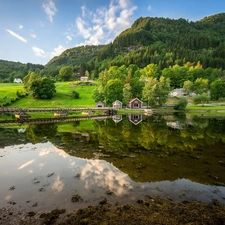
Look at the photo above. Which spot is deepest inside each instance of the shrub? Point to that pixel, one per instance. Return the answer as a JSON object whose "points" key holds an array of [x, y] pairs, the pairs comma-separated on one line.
{"points": [[75, 94], [181, 105], [201, 99]]}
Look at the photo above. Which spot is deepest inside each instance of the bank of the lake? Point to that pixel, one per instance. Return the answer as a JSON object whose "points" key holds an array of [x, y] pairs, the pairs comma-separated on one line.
{"points": [[63, 99], [150, 211]]}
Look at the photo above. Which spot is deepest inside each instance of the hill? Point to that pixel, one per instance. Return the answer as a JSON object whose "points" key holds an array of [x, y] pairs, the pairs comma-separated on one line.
{"points": [[10, 70], [161, 41]]}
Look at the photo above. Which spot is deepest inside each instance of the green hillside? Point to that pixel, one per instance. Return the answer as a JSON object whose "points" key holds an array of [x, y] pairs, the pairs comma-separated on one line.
{"points": [[161, 41]]}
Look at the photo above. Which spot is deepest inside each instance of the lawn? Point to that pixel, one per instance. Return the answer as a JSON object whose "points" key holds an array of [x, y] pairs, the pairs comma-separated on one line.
{"points": [[9, 90], [62, 97]]}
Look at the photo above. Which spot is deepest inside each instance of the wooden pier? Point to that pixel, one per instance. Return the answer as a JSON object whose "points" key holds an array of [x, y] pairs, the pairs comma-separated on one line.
{"points": [[59, 112], [50, 120]]}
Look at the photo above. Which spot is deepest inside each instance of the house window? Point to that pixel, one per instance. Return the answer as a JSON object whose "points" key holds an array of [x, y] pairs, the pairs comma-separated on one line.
{"points": [[136, 117], [136, 105]]}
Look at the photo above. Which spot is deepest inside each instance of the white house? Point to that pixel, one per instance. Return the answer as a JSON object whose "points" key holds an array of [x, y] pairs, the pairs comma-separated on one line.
{"points": [[117, 104], [177, 92], [83, 79], [17, 80]]}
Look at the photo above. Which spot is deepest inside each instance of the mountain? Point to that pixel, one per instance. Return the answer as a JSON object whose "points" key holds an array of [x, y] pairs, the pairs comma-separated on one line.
{"points": [[75, 56], [161, 41], [10, 69]]}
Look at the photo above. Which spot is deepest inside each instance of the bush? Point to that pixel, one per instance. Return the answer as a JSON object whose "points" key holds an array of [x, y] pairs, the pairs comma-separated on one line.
{"points": [[201, 99], [21, 94], [75, 94], [181, 105]]}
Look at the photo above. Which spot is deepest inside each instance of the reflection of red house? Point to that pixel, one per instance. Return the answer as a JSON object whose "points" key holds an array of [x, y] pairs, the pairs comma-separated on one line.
{"points": [[135, 118], [135, 103]]}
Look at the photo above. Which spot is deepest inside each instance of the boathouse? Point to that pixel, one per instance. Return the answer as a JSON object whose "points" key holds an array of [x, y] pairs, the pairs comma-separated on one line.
{"points": [[135, 104], [117, 104], [100, 104]]}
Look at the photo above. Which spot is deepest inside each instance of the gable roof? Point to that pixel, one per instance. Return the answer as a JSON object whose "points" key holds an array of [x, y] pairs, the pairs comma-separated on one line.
{"points": [[117, 101], [134, 100]]}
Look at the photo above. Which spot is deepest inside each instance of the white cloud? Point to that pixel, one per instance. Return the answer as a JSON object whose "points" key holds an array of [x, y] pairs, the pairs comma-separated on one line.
{"points": [[85, 32], [149, 8], [33, 35], [83, 10], [17, 36], [20, 26], [69, 38], [50, 9], [57, 51], [40, 52], [104, 24]]}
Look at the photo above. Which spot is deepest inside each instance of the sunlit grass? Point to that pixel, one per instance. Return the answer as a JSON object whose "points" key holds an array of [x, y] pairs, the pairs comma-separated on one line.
{"points": [[62, 98], [9, 89]]}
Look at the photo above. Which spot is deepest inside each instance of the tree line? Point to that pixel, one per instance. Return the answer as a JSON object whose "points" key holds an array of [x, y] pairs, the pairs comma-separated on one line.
{"points": [[152, 85]]}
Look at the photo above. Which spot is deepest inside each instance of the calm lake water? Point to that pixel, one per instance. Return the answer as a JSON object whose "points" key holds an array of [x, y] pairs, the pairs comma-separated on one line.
{"points": [[123, 159]]}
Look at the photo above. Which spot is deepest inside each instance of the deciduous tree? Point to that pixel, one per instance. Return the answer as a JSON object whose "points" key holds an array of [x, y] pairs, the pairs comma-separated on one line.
{"points": [[66, 73], [155, 92]]}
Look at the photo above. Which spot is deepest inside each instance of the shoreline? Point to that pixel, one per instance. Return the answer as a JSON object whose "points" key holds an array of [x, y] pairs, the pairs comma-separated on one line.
{"points": [[152, 210]]}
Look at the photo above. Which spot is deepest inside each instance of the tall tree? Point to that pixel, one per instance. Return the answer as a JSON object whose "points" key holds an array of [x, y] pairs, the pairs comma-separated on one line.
{"points": [[127, 94], [217, 89], [29, 79], [66, 73], [188, 87], [155, 92], [42, 88], [201, 85], [114, 91]]}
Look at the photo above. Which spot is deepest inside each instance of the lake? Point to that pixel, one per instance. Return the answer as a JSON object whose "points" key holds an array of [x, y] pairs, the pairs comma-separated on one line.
{"points": [[122, 159]]}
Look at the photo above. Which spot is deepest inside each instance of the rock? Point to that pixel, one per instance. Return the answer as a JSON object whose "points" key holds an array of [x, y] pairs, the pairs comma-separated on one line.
{"points": [[12, 188], [103, 202], [76, 198]]}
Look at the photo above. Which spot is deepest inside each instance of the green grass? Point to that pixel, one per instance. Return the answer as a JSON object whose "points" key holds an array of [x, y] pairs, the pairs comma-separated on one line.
{"points": [[62, 97], [83, 126], [208, 108], [9, 90]]}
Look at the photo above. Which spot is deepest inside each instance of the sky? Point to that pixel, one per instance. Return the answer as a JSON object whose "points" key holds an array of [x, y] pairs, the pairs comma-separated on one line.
{"points": [[37, 30]]}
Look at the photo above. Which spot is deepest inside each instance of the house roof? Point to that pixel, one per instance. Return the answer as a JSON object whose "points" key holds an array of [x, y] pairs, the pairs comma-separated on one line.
{"points": [[117, 101], [134, 100]]}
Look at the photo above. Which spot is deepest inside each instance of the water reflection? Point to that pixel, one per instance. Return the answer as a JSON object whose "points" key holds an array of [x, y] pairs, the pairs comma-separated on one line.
{"points": [[38, 181], [171, 155]]}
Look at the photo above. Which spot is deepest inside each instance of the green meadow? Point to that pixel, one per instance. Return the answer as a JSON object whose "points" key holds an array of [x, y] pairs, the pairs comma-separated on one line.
{"points": [[62, 98]]}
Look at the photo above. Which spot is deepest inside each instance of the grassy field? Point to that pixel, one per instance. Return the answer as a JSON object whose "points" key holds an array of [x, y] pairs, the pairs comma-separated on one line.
{"points": [[10, 89], [62, 97]]}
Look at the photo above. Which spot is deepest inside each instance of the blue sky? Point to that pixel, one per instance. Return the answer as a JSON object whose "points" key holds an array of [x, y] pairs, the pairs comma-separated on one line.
{"points": [[37, 30]]}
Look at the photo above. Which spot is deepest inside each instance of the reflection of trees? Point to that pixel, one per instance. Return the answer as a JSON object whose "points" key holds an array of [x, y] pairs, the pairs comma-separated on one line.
{"points": [[11, 136], [37, 132], [154, 134], [117, 136]]}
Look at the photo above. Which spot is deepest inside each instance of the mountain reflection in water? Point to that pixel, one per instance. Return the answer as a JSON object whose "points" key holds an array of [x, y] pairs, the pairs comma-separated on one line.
{"points": [[121, 161]]}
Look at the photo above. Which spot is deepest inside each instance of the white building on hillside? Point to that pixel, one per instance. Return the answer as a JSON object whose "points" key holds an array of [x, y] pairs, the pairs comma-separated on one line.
{"points": [[17, 80]]}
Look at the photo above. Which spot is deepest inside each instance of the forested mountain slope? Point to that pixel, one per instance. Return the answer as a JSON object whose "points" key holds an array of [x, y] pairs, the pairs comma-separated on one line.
{"points": [[10, 70], [167, 42], [161, 41]]}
